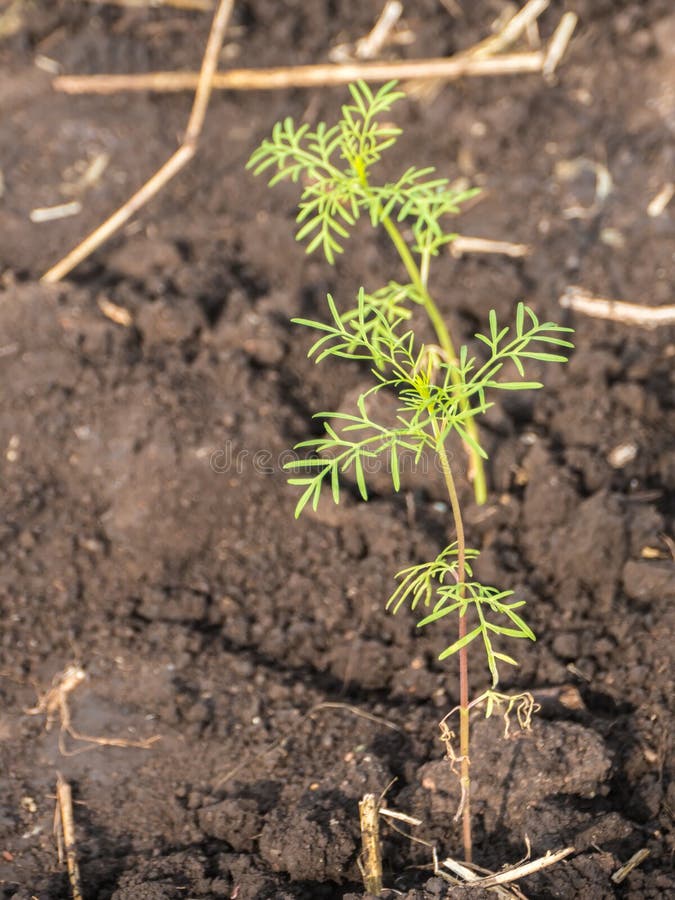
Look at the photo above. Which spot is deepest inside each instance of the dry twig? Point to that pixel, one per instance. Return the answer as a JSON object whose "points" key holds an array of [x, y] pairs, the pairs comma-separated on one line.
{"points": [[448, 68], [65, 828], [399, 816], [512, 30], [468, 875], [578, 299], [115, 313], [558, 43], [371, 45], [636, 859], [370, 861], [658, 203], [51, 213], [462, 245], [173, 165], [513, 874]]}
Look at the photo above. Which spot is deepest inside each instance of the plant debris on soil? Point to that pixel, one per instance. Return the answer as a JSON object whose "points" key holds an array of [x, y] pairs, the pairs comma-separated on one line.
{"points": [[146, 526]]}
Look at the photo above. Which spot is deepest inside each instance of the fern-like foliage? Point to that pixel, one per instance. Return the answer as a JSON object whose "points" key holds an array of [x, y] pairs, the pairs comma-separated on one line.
{"points": [[334, 165], [435, 584], [432, 399], [435, 397], [438, 389], [418, 584]]}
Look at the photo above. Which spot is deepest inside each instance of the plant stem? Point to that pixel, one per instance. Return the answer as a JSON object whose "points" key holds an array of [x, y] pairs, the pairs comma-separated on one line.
{"points": [[477, 470], [480, 491], [464, 777]]}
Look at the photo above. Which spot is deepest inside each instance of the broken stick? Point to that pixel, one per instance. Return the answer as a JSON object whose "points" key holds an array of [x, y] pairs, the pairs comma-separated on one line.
{"points": [[371, 853], [463, 244], [512, 30], [446, 68], [578, 299], [558, 44], [64, 800], [624, 871], [514, 874]]}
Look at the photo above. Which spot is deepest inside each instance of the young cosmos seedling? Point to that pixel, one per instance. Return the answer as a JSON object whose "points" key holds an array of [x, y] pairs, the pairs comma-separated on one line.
{"points": [[439, 391]]}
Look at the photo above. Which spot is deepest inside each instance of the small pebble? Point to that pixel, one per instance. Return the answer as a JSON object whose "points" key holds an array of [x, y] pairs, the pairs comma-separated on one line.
{"points": [[622, 454]]}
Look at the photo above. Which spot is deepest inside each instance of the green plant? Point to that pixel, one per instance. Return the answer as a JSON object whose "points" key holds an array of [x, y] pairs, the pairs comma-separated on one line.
{"points": [[335, 166], [438, 390]]}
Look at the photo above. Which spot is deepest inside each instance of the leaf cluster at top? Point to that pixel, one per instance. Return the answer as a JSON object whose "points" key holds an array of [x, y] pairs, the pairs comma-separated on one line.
{"points": [[334, 163]]}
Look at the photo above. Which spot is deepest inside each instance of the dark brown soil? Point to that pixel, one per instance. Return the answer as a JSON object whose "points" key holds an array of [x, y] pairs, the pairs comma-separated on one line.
{"points": [[142, 537]]}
